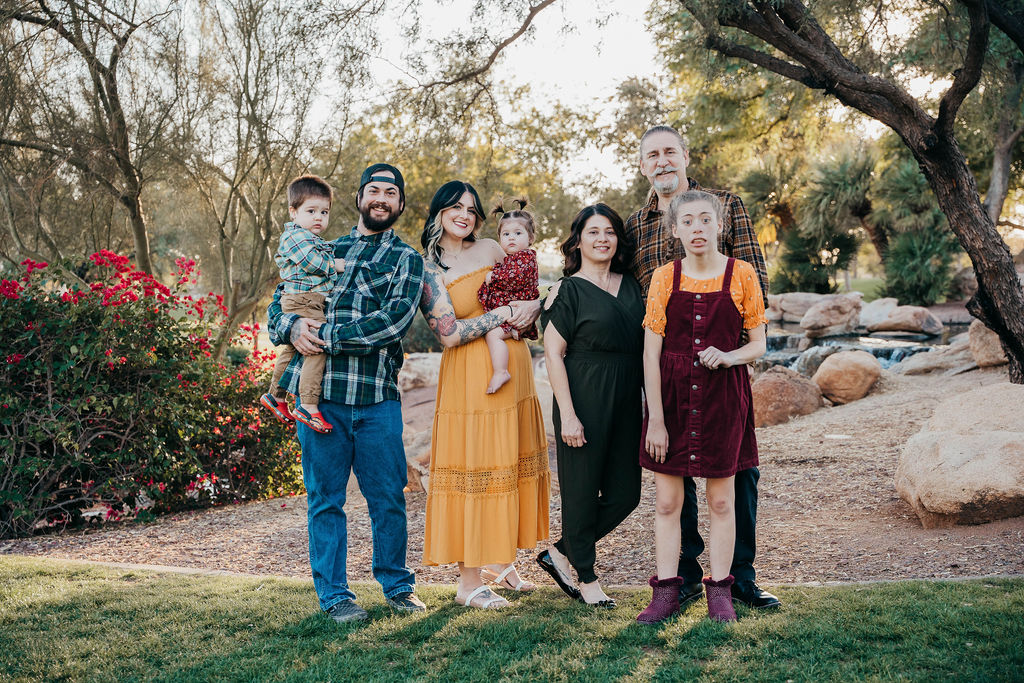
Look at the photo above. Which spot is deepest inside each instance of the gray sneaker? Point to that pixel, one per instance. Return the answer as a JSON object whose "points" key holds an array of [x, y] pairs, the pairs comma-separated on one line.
{"points": [[406, 602], [346, 610]]}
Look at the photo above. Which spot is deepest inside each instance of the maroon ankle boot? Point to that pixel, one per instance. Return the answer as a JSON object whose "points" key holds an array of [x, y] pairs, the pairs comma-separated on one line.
{"points": [[664, 602], [720, 599]]}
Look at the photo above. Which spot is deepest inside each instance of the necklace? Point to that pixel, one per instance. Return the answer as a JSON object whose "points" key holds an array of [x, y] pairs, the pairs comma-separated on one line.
{"points": [[450, 256], [606, 287]]}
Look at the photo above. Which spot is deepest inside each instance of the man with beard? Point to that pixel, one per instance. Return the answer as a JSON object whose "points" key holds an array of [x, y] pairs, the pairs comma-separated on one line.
{"points": [[663, 160], [367, 314]]}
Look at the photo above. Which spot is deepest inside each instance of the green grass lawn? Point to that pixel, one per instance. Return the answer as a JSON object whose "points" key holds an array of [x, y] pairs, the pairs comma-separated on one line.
{"points": [[70, 622], [870, 287]]}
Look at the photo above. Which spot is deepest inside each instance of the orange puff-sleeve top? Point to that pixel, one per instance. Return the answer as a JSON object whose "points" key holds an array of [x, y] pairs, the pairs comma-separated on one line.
{"points": [[744, 290]]}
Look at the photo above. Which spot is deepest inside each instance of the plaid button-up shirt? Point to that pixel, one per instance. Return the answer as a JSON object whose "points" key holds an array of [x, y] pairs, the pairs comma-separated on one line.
{"points": [[656, 245], [368, 313], [306, 261]]}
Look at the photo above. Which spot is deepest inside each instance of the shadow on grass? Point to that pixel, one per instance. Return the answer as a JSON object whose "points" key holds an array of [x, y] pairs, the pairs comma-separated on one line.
{"points": [[74, 623]]}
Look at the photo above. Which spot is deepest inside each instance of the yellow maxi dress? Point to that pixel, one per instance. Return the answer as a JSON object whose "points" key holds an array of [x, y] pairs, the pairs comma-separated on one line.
{"points": [[489, 476]]}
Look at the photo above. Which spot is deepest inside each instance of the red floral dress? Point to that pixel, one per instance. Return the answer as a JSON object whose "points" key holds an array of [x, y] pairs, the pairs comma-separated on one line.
{"points": [[513, 279]]}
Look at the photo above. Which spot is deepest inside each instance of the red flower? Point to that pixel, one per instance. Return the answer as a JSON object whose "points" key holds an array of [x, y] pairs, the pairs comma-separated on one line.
{"points": [[31, 265], [10, 289], [14, 359]]}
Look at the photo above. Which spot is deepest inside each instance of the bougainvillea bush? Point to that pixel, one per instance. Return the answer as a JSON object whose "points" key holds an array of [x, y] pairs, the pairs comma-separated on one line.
{"points": [[111, 401]]}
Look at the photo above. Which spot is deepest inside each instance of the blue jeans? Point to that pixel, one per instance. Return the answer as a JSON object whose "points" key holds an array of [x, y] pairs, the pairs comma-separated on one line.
{"points": [[368, 440]]}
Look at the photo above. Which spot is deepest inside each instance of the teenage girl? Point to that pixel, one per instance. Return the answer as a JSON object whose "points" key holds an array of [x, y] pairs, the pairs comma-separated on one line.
{"points": [[700, 419]]}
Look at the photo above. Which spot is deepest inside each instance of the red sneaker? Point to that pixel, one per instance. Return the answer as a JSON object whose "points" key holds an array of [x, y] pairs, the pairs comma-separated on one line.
{"points": [[278, 408], [314, 421]]}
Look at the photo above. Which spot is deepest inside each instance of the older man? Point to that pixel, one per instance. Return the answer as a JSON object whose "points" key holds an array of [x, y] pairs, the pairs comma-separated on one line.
{"points": [[663, 161], [367, 313]]}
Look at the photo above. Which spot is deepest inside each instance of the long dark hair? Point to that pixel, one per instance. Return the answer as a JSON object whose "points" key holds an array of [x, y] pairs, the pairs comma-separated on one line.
{"points": [[447, 196], [571, 246]]}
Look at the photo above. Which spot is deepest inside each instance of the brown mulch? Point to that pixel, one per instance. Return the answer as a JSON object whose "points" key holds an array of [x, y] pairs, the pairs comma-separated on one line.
{"points": [[828, 512]]}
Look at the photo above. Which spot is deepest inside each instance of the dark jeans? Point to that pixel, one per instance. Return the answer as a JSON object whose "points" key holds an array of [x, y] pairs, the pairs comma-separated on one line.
{"points": [[746, 523]]}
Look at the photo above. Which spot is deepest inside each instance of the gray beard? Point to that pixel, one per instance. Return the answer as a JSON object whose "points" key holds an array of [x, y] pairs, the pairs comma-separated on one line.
{"points": [[666, 186]]}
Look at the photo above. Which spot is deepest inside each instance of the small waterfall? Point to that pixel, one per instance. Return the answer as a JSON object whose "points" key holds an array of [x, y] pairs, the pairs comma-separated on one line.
{"points": [[783, 348], [784, 342], [888, 351]]}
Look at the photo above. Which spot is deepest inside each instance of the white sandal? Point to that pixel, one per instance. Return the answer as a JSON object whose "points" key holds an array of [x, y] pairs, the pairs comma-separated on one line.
{"points": [[479, 591], [502, 581]]}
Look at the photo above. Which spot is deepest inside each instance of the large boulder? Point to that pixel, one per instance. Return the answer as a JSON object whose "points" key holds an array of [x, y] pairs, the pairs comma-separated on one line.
{"points": [[781, 394], [877, 311], [944, 358], [966, 465], [417, 459], [773, 312], [795, 304], [964, 284], [848, 375], [909, 319], [985, 346], [419, 370], [835, 315], [808, 362], [545, 396]]}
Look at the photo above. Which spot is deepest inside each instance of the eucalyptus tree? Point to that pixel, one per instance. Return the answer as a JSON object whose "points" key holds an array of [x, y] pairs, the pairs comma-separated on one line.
{"points": [[266, 87], [87, 97]]}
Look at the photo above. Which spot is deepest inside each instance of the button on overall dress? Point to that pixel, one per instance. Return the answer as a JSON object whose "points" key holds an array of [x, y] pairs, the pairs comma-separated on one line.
{"points": [[709, 414]]}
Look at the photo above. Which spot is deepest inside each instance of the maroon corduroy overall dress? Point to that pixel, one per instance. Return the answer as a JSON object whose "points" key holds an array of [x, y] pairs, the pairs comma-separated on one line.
{"points": [[709, 414]]}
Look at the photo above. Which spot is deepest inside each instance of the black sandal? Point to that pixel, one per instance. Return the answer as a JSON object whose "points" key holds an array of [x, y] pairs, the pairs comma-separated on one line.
{"points": [[548, 565]]}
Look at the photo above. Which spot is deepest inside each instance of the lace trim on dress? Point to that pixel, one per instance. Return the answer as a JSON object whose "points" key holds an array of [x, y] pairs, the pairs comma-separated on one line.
{"points": [[488, 482]]}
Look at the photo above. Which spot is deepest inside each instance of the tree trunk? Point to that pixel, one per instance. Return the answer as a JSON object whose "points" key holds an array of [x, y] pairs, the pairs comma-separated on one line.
{"points": [[139, 233], [879, 240], [1005, 140], [999, 302], [227, 331]]}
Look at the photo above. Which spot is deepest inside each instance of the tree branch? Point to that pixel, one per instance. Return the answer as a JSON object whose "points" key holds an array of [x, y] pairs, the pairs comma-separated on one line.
{"points": [[716, 42], [472, 74], [823, 64], [1008, 17], [967, 76]]}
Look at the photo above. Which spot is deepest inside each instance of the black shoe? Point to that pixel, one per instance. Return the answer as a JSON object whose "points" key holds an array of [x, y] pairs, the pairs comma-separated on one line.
{"points": [[548, 565], [406, 602], [346, 610], [747, 593], [689, 592]]}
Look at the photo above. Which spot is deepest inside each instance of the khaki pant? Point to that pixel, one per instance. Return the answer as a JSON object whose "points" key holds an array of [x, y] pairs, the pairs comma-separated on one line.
{"points": [[311, 377]]}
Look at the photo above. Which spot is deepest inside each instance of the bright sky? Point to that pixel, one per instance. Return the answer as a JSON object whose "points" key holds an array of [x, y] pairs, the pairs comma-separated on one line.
{"points": [[580, 68]]}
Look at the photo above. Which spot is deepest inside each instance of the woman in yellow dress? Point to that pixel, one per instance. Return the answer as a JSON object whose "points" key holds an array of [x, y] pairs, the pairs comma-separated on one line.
{"points": [[489, 475]]}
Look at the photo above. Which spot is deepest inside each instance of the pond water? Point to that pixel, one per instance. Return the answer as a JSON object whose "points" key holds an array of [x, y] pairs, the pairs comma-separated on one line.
{"points": [[784, 341]]}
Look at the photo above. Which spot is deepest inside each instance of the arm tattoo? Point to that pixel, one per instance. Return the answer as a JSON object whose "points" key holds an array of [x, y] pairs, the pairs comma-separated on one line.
{"points": [[472, 328], [428, 294], [440, 317], [446, 324]]}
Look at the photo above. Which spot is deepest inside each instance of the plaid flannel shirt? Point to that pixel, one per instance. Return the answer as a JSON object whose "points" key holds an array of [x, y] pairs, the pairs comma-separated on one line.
{"points": [[656, 246], [368, 313], [306, 261]]}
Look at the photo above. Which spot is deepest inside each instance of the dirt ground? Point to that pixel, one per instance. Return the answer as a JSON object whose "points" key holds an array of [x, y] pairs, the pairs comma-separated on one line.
{"points": [[828, 512]]}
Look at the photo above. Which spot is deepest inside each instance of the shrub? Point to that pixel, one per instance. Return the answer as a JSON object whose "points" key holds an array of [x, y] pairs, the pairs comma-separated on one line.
{"points": [[111, 402], [809, 264], [918, 266]]}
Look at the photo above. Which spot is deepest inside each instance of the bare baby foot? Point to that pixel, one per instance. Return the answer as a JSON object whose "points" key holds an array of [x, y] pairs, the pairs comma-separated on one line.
{"points": [[498, 380]]}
